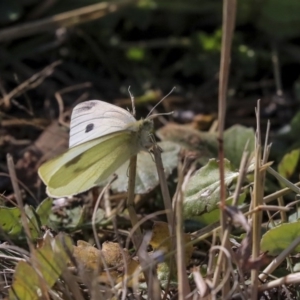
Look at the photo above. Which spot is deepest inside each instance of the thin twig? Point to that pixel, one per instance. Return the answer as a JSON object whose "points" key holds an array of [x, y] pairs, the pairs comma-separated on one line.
{"points": [[110, 279], [289, 279], [164, 187], [66, 19], [58, 97], [137, 233], [257, 198], [279, 259], [30, 83]]}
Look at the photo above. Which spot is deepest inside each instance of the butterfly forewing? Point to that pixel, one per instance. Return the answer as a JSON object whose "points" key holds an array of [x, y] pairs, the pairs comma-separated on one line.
{"points": [[95, 118]]}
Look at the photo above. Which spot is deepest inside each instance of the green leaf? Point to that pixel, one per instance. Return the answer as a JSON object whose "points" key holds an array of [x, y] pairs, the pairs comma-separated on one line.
{"points": [[54, 256], [51, 261], [24, 287], [10, 221], [33, 222], [288, 164], [100, 219], [279, 238], [44, 211], [136, 54], [214, 215], [70, 219], [146, 176], [202, 193], [205, 144], [235, 140]]}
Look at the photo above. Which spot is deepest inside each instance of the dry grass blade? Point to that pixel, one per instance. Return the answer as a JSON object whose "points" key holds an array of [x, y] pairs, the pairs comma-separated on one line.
{"points": [[164, 187], [13, 176], [103, 261], [183, 284], [283, 180], [229, 12], [137, 235], [257, 201], [200, 282], [289, 279]]}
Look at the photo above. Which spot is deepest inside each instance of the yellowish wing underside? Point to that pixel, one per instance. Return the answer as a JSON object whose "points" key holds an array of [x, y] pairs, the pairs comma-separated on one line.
{"points": [[81, 167]]}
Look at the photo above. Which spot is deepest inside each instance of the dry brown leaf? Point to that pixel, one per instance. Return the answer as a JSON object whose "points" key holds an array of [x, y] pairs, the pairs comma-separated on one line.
{"points": [[87, 255], [113, 255], [89, 258]]}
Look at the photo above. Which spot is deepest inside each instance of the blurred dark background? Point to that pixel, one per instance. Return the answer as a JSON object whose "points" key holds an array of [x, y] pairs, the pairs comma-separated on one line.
{"points": [[151, 46]]}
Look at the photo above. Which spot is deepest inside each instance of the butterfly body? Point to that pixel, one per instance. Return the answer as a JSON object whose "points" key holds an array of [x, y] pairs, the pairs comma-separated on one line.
{"points": [[102, 138]]}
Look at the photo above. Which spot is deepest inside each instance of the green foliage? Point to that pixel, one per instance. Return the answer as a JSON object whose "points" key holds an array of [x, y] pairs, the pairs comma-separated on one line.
{"points": [[205, 143], [47, 264], [280, 237], [288, 164], [235, 140], [210, 42], [214, 215], [147, 177], [202, 193], [44, 210], [71, 219], [156, 43], [136, 54], [11, 223]]}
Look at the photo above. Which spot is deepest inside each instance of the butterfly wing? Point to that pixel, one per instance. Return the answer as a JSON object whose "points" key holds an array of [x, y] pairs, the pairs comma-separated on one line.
{"points": [[83, 166], [95, 118]]}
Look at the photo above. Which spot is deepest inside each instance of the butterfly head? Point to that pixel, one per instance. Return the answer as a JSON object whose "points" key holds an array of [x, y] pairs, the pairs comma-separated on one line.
{"points": [[145, 131]]}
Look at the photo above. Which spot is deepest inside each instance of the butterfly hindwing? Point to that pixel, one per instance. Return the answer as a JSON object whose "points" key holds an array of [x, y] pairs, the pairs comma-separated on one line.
{"points": [[92, 165], [49, 168]]}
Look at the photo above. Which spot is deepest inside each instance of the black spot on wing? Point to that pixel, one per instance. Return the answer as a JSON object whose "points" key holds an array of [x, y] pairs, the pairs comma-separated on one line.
{"points": [[89, 127], [86, 106]]}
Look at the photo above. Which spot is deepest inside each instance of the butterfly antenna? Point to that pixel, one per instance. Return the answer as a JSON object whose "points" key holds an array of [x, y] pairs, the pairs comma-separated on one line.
{"points": [[132, 102], [151, 111]]}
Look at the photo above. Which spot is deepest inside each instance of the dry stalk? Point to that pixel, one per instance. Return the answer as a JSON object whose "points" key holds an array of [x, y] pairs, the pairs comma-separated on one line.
{"points": [[36, 265], [229, 12], [183, 283], [67, 19]]}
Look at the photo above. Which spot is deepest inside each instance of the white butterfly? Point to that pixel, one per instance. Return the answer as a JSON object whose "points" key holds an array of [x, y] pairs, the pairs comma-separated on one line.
{"points": [[102, 138]]}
